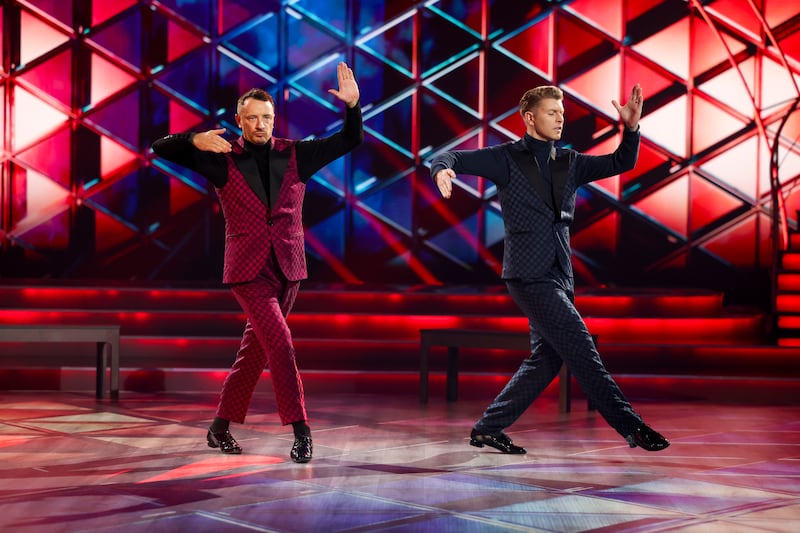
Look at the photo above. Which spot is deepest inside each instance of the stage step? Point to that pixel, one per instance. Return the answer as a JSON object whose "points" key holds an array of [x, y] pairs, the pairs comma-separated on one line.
{"points": [[360, 329], [787, 297], [733, 329], [357, 299], [403, 355]]}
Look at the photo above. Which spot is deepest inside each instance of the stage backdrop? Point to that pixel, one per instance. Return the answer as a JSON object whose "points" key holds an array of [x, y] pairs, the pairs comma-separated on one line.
{"points": [[87, 85]]}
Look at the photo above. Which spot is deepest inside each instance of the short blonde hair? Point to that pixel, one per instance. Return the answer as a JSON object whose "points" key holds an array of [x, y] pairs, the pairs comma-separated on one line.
{"points": [[532, 97]]}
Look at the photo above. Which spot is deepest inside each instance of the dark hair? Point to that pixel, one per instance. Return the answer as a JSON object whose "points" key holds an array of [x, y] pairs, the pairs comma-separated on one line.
{"points": [[258, 94], [532, 97]]}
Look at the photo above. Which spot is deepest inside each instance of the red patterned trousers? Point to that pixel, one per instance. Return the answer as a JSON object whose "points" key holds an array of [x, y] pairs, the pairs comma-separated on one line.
{"points": [[266, 342]]}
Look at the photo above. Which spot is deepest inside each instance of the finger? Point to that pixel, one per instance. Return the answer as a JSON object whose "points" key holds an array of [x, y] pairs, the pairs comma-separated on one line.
{"points": [[218, 131], [636, 95]]}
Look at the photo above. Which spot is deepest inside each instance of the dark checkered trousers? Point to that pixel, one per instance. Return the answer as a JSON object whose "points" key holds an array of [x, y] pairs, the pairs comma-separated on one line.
{"points": [[537, 270]]}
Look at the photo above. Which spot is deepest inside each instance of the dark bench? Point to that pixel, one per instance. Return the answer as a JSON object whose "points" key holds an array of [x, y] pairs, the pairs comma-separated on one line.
{"points": [[105, 337], [453, 339]]}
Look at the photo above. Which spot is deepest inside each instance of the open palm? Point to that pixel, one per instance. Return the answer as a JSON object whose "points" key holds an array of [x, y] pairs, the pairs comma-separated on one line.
{"points": [[348, 88]]}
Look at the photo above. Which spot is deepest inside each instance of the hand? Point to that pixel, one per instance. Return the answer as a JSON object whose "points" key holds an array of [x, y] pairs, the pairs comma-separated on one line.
{"points": [[444, 180], [210, 141], [631, 112], [348, 88]]}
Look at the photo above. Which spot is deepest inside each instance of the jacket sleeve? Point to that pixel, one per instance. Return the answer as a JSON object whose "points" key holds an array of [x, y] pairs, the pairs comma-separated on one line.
{"points": [[314, 154], [490, 163], [178, 149], [595, 167]]}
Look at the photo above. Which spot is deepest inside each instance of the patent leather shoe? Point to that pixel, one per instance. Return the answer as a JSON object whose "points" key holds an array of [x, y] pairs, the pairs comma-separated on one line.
{"points": [[302, 449], [499, 442], [224, 441], [647, 438]]}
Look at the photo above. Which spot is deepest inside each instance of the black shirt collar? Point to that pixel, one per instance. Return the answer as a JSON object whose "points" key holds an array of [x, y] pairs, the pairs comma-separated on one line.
{"points": [[257, 148], [540, 149]]}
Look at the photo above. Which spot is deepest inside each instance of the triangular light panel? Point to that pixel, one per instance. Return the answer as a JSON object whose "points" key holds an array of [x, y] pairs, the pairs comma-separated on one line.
{"points": [[33, 118], [669, 48], [709, 203], [37, 37], [668, 205], [606, 15]]}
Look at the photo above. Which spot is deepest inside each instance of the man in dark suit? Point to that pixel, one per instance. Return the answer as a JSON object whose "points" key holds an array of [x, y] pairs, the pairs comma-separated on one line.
{"points": [[260, 182], [537, 185]]}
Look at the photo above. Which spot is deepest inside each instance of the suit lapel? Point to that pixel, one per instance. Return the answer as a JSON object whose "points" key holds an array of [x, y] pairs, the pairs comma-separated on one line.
{"points": [[278, 161], [525, 162], [247, 165], [559, 169]]}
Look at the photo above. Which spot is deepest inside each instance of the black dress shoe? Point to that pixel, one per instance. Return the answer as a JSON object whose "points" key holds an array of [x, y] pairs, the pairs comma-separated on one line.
{"points": [[301, 449], [224, 441], [647, 438], [500, 442]]}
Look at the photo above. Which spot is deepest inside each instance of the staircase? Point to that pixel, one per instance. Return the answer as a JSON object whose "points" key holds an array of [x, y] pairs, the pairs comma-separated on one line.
{"points": [[787, 297]]}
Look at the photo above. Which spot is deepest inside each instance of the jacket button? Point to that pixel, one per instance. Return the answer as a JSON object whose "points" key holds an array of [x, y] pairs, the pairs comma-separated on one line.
{"points": [[270, 222]]}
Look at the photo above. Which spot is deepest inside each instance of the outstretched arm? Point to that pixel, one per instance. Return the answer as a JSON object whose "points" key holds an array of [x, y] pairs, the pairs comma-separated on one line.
{"points": [[200, 152], [593, 167], [631, 112], [315, 154], [489, 163]]}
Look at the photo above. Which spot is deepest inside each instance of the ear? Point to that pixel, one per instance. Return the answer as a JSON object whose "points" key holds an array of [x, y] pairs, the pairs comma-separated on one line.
{"points": [[529, 118]]}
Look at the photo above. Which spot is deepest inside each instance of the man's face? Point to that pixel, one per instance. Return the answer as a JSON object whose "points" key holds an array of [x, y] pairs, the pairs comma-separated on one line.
{"points": [[256, 118], [546, 121]]}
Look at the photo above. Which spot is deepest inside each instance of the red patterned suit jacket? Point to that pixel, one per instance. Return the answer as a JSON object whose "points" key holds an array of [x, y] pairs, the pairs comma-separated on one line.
{"points": [[257, 222], [252, 227]]}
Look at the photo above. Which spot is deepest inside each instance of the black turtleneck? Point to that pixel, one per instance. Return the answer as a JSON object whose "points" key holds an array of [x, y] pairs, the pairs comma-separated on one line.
{"points": [[541, 151], [261, 155]]}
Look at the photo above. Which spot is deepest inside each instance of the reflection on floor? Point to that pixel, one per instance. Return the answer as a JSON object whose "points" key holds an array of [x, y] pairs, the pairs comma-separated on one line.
{"points": [[386, 463]]}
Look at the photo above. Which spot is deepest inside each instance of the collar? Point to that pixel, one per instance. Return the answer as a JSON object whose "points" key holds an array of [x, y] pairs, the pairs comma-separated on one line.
{"points": [[257, 148], [540, 149]]}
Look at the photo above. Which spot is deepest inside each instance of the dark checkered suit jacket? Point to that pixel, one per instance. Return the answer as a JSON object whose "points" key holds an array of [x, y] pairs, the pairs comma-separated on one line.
{"points": [[537, 221]]}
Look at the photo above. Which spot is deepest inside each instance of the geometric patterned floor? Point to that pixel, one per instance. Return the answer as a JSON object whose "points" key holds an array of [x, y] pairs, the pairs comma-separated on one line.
{"points": [[387, 463]]}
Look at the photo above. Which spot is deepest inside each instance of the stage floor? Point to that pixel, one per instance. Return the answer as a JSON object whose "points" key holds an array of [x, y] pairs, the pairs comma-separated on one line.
{"points": [[386, 463]]}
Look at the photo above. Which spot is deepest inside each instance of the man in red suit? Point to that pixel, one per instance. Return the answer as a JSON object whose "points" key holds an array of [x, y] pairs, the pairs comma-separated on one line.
{"points": [[260, 182]]}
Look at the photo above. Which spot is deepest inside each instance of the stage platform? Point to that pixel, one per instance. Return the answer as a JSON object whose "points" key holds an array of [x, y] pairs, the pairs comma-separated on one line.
{"points": [[385, 463]]}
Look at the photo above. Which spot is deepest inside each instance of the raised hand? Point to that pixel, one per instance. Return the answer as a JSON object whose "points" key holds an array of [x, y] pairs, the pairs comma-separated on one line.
{"points": [[348, 88], [631, 112], [210, 141]]}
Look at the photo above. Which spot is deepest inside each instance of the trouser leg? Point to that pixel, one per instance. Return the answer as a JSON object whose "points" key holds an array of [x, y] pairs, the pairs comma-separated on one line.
{"points": [[531, 378], [267, 341], [552, 314]]}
